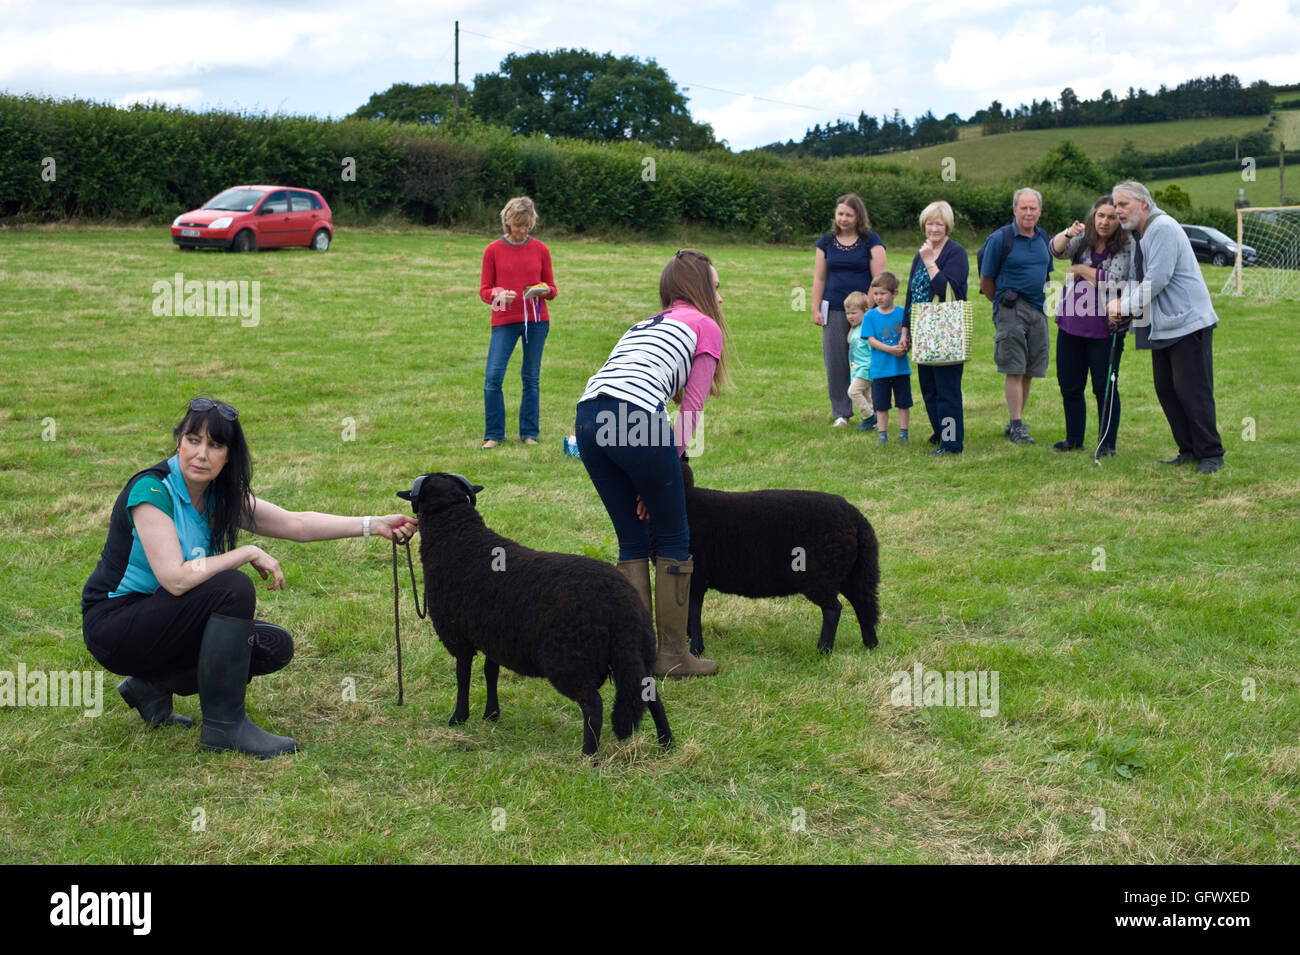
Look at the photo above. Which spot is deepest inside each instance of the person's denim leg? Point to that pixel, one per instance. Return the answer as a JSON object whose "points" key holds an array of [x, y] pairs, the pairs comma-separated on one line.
{"points": [[948, 408], [500, 347], [531, 376], [622, 472], [929, 395]]}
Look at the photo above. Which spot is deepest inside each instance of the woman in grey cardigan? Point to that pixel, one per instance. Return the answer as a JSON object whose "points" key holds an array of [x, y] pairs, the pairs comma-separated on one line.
{"points": [[1100, 255]]}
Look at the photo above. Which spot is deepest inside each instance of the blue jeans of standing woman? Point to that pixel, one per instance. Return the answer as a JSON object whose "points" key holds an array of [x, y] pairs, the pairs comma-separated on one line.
{"points": [[500, 349]]}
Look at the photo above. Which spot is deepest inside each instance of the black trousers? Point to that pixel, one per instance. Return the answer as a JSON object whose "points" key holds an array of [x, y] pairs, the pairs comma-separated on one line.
{"points": [[941, 392], [1076, 358], [158, 635], [1184, 380]]}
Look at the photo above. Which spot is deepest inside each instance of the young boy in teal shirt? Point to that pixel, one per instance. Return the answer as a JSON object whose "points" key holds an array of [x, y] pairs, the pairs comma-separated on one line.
{"points": [[855, 306]]}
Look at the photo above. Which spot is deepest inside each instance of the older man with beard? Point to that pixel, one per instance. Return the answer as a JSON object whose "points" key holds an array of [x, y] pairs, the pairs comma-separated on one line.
{"points": [[1175, 320]]}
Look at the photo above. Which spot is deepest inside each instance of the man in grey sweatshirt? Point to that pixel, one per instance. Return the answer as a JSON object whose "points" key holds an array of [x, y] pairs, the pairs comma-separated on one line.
{"points": [[1175, 320]]}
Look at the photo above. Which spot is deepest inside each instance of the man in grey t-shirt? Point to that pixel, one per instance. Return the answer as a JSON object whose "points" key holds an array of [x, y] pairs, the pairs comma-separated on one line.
{"points": [[1175, 321]]}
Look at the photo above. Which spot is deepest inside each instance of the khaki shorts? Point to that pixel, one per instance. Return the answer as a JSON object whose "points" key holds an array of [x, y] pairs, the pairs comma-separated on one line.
{"points": [[1020, 346]]}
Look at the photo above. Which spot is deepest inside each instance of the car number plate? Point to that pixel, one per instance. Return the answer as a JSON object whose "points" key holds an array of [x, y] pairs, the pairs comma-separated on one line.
{"points": [[189, 231]]}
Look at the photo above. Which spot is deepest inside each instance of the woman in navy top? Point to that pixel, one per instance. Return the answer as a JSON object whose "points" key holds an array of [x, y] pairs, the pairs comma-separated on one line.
{"points": [[940, 269], [847, 258], [167, 603]]}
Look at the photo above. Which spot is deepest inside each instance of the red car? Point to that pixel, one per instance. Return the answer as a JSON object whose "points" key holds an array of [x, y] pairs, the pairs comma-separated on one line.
{"points": [[248, 218]]}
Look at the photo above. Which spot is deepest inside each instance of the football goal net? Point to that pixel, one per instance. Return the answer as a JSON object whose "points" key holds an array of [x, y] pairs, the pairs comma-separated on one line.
{"points": [[1268, 253]]}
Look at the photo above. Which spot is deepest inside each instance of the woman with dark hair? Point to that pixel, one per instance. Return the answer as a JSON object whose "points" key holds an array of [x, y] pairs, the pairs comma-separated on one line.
{"points": [[848, 257], [167, 605], [1100, 253], [632, 453]]}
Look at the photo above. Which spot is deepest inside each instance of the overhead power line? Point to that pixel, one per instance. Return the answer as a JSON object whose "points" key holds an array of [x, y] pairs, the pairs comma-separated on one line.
{"points": [[687, 85]]}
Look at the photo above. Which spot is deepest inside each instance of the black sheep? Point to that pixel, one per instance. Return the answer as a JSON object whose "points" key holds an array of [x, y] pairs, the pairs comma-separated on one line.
{"points": [[775, 543], [571, 619]]}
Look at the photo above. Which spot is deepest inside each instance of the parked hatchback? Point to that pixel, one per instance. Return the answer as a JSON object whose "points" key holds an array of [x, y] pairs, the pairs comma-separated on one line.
{"points": [[247, 218], [1211, 245]]}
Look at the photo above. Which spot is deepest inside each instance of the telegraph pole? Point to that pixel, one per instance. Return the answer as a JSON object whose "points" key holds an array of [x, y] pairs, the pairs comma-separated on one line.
{"points": [[455, 96]]}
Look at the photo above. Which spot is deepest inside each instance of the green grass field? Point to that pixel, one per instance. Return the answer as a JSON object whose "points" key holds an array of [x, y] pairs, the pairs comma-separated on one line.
{"points": [[992, 159], [1148, 710]]}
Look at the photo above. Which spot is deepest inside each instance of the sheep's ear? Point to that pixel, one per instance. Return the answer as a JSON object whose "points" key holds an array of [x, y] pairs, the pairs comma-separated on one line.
{"points": [[471, 490], [413, 495]]}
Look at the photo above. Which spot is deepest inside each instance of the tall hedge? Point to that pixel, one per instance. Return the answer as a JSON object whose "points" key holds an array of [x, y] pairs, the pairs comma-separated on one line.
{"points": [[156, 162]]}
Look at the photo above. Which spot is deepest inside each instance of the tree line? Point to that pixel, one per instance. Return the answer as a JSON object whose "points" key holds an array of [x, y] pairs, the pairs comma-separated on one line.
{"points": [[869, 136], [1199, 98], [1194, 99]]}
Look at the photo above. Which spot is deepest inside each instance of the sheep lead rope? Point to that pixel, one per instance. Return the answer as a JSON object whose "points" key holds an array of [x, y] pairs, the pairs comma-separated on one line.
{"points": [[397, 620]]}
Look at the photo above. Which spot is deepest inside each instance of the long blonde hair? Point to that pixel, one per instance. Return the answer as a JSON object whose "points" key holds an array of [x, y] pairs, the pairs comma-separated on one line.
{"points": [[686, 276]]}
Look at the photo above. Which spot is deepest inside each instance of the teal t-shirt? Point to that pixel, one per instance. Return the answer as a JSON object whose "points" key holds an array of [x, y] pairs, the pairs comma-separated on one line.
{"points": [[859, 354], [172, 497]]}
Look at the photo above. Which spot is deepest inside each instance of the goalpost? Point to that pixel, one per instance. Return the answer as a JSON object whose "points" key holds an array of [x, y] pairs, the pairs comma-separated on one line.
{"points": [[1273, 232]]}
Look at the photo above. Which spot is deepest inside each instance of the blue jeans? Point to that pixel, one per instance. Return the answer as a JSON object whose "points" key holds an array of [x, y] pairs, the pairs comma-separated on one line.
{"points": [[623, 471], [941, 392], [500, 348]]}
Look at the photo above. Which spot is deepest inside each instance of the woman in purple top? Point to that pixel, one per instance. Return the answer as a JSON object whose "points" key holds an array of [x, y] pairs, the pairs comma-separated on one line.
{"points": [[1099, 251], [848, 257]]}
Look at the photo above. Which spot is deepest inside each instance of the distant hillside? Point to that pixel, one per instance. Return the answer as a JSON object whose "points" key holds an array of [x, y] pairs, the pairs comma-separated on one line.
{"points": [[995, 159]]}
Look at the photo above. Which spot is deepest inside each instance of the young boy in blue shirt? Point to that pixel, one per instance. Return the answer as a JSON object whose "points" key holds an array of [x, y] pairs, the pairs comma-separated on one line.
{"points": [[891, 375], [855, 306]]}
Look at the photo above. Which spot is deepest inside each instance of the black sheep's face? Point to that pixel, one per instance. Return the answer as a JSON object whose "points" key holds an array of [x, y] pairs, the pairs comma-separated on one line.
{"points": [[435, 492]]}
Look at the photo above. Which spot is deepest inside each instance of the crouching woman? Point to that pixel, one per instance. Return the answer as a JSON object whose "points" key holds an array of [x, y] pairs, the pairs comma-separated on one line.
{"points": [[632, 454], [167, 606]]}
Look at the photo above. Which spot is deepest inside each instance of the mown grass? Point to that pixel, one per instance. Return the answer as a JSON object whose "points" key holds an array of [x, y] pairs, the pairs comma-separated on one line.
{"points": [[987, 564]]}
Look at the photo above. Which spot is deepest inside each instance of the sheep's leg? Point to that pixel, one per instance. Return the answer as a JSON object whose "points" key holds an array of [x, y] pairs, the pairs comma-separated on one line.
{"points": [[830, 623], [661, 721], [592, 712], [868, 611], [493, 709], [461, 713], [693, 625]]}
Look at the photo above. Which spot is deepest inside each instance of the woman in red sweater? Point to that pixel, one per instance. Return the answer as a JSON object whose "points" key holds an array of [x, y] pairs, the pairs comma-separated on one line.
{"points": [[511, 266]]}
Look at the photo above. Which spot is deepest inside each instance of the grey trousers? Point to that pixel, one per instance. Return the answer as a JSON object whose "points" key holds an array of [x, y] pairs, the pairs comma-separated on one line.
{"points": [[835, 353]]}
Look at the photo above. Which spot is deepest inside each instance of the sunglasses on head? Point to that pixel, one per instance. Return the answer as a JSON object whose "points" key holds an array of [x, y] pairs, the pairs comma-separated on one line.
{"points": [[207, 404]]}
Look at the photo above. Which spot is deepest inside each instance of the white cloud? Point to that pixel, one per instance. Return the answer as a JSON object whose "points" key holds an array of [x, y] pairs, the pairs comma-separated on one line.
{"points": [[771, 115]]}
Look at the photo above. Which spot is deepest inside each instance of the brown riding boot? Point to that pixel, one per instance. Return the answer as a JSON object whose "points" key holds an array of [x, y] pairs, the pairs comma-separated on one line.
{"points": [[672, 603], [637, 573]]}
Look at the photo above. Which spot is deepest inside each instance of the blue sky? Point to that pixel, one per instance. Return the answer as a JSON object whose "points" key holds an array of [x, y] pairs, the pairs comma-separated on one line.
{"points": [[758, 71]]}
